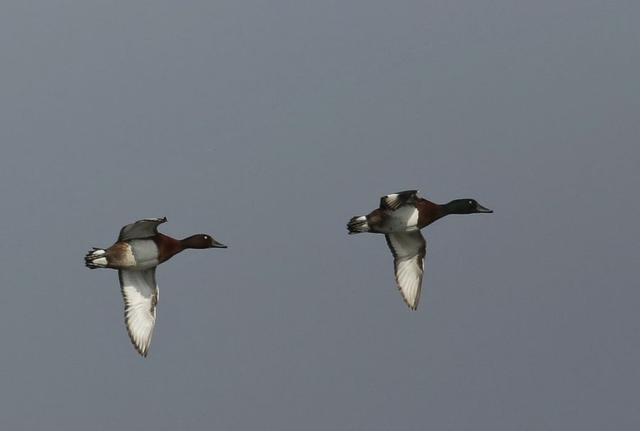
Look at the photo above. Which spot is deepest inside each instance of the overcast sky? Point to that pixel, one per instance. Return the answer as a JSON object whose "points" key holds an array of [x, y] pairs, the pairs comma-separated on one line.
{"points": [[268, 124]]}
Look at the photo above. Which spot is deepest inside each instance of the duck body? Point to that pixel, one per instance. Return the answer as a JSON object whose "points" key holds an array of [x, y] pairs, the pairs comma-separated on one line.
{"points": [[406, 218], [400, 217], [140, 248], [136, 254]]}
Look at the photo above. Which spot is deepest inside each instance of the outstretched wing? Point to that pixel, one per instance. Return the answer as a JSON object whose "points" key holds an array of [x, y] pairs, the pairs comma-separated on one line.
{"points": [[408, 249], [396, 200], [144, 228], [140, 294]]}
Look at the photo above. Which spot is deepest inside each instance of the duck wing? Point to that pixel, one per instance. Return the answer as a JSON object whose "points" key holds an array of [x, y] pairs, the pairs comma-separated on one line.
{"points": [[144, 228], [408, 249], [396, 200], [140, 294]]}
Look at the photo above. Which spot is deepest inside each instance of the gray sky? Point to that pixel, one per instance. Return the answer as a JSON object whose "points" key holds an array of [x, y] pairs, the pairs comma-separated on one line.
{"points": [[268, 125]]}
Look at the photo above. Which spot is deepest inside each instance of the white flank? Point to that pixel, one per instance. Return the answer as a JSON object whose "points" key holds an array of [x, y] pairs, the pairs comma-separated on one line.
{"points": [[142, 253], [404, 219], [412, 222]]}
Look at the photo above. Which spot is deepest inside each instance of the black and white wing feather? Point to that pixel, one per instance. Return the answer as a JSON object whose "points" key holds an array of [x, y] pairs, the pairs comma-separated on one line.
{"points": [[408, 249], [396, 200], [144, 228], [140, 294]]}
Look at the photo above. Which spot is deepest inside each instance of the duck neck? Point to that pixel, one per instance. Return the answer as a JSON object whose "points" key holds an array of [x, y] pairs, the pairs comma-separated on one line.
{"points": [[447, 209], [191, 242], [428, 212], [167, 247], [455, 207]]}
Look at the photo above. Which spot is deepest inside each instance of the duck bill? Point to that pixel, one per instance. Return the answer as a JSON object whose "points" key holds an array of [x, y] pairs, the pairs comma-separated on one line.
{"points": [[217, 244], [481, 209]]}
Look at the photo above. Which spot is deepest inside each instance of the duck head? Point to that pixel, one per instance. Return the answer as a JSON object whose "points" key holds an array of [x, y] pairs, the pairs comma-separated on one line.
{"points": [[201, 241], [465, 206]]}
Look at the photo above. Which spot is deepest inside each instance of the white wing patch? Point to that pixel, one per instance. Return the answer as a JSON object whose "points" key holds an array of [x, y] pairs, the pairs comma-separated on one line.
{"points": [[408, 249], [394, 201], [140, 295], [391, 201]]}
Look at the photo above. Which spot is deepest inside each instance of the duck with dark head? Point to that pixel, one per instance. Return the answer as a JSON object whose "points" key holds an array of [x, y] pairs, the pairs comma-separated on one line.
{"points": [[400, 217], [140, 248]]}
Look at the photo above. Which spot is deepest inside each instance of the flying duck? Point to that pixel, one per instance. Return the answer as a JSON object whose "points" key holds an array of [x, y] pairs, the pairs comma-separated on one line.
{"points": [[136, 253], [400, 217]]}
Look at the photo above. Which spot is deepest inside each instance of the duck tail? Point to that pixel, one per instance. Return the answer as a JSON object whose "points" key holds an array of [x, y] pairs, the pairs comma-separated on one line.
{"points": [[358, 224], [96, 258]]}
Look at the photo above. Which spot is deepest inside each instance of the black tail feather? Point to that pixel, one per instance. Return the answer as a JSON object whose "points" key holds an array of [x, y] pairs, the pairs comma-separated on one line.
{"points": [[358, 224]]}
